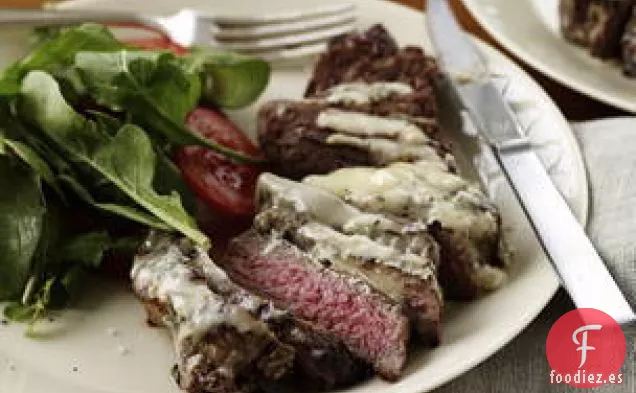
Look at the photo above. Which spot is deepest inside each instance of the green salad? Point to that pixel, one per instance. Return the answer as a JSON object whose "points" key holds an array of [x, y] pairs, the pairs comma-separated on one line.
{"points": [[87, 127]]}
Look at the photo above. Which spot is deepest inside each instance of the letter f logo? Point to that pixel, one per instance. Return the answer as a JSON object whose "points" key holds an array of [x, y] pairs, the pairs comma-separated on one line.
{"points": [[584, 347]]}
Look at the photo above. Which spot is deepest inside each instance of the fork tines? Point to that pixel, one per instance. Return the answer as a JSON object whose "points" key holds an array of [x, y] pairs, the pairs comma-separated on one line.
{"points": [[289, 34]]}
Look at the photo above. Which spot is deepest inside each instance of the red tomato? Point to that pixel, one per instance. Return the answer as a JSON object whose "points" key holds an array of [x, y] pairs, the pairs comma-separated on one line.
{"points": [[158, 43], [225, 186]]}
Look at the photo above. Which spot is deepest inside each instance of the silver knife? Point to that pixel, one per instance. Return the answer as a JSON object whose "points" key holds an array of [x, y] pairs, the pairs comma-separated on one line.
{"points": [[582, 271]]}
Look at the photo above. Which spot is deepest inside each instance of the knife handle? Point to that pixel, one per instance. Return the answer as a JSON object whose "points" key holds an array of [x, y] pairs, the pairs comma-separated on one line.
{"points": [[582, 271]]}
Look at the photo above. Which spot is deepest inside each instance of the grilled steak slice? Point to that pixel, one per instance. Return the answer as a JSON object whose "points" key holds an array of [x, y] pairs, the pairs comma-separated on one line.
{"points": [[628, 46], [314, 137], [464, 222], [605, 25], [372, 328], [322, 362], [372, 56], [221, 346], [381, 99], [398, 261]]}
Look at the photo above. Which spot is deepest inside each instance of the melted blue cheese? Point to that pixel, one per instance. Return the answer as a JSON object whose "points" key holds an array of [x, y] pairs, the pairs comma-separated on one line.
{"points": [[331, 245], [386, 151], [386, 139], [423, 190], [369, 126], [165, 276], [343, 235], [321, 205], [365, 93]]}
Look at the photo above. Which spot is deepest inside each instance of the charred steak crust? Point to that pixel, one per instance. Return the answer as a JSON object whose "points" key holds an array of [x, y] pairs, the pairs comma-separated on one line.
{"points": [[370, 326], [318, 357], [322, 362], [371, 56], [221, 347], [296, 146], [460, 264]]}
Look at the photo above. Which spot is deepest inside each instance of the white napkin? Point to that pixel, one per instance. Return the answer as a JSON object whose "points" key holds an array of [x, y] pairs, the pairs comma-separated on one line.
{"points": [[609, 149]]}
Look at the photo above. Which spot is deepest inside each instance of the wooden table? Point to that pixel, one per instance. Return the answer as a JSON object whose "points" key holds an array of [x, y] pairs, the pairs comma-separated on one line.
{"points": [[575, 106]]}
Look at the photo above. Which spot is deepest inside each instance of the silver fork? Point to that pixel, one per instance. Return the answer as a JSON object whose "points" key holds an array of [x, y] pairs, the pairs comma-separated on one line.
{"points": [[276, 36]]}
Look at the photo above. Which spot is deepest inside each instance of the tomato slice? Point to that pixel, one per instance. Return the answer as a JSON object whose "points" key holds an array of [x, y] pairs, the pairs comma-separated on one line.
{"points": [[226, 186], [157, 43]]}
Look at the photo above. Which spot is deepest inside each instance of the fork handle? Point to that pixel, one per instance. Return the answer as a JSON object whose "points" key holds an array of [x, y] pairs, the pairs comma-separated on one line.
{"points": [[65, 18]]}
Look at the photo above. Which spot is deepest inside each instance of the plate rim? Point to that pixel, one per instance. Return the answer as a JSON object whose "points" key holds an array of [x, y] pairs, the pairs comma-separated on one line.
{"points": [[517, 49], [582, 215]]}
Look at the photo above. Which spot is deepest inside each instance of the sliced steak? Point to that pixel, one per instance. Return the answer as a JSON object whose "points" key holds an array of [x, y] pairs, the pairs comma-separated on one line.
{"points": [[370, 326], [396, 260], [382, 99], [317, 356], [316, 137], [628, 46], [606, 20], [464, 222], [322, 361], [372, 56], [221, 346]]}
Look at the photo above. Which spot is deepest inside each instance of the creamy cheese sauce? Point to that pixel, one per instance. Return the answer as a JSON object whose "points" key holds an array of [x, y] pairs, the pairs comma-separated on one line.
{"points": [[364, 125], [164, 275], [489, 277], [324, 206], [423, 190], [365, 93], [387, 151], [332, 245], [346, 237]]}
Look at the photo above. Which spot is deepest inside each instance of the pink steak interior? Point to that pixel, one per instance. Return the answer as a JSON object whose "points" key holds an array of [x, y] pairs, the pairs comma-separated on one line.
{"points": [[360, 319]]}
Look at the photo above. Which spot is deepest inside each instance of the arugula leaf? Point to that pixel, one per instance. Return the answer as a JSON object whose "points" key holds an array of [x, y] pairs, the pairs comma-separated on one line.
{"points": [[87, 249], [168, 179], [128, 212], [127, 160], [32, 312], [21, 216], [155, 74], [230, 80], [154, 88], [32, 159], [19, 313], [105, 122], [55, 54]]}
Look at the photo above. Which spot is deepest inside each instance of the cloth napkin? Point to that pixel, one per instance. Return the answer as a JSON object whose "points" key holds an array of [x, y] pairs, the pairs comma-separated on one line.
{"points": [[609, 149]]}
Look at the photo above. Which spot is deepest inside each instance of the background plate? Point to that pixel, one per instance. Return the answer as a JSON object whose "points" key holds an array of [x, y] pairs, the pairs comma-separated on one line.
{"points": [[80, 353], [530, 30]]}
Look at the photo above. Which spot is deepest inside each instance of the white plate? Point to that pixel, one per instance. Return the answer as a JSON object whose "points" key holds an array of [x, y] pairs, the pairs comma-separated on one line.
{"points": [[530, 30], [472, 332]]}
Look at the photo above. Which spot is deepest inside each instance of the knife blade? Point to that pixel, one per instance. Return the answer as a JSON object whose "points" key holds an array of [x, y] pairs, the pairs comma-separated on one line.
{"points": [[582, 271]]}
